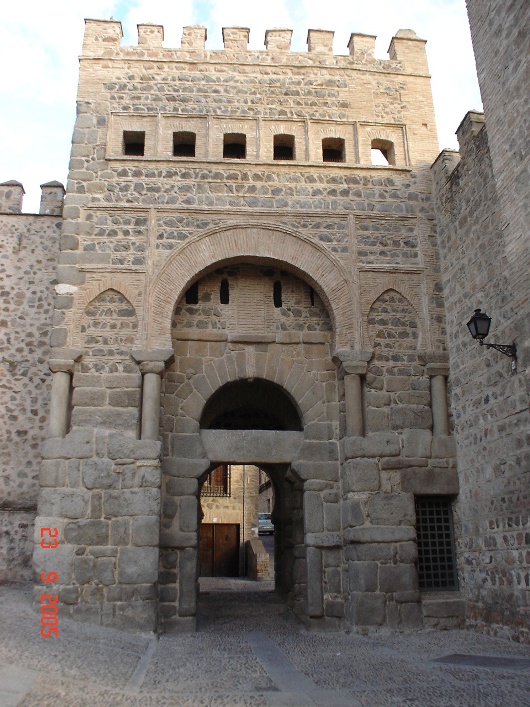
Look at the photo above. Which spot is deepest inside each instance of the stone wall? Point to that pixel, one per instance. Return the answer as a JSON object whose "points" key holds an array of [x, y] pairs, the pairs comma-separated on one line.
{"points": [[101, 491], [29, 249], [490, 405]]}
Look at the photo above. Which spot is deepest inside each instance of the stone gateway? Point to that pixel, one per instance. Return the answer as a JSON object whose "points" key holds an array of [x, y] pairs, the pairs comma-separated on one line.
{"points": [[248, 273]]}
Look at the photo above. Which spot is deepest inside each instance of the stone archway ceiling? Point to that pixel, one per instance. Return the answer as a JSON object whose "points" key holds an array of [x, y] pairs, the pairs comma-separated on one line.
{"points": [[250, 405]]}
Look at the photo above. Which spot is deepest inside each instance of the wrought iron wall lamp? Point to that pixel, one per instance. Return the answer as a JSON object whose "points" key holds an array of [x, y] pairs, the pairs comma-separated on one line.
{"points": [[479, 326]]}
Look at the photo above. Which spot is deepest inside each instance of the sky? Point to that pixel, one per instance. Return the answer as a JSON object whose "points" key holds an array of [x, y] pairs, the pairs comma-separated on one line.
{"points": [[40, 43]]}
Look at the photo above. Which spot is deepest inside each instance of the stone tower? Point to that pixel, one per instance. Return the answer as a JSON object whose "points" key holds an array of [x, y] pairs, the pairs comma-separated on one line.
{"points": [[241, 284]]}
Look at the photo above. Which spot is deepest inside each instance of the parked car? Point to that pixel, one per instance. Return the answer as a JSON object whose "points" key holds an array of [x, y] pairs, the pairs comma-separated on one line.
{"points": [[265, 526]]}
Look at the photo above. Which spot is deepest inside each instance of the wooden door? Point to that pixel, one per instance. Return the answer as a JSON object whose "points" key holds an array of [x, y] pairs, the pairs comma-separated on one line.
{"points": [[219, 550]]}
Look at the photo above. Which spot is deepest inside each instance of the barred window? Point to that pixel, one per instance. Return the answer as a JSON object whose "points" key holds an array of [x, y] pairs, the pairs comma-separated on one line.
{"points": [[217, 482], [436, 550]]}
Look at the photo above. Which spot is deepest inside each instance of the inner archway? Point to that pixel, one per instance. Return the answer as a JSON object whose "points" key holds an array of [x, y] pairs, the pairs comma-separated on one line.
{"points": [[258, 407]]}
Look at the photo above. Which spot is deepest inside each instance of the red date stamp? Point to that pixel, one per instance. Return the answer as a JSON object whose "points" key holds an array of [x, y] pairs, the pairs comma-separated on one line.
{"points": [[48, 602]]}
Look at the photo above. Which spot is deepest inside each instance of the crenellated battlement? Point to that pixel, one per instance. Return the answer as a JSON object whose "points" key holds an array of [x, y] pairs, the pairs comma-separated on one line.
{"points": [[12, 195], [103, 39]]}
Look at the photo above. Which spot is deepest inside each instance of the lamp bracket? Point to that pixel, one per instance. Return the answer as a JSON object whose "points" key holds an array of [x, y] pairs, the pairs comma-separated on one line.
{"points": [[506, 349]]}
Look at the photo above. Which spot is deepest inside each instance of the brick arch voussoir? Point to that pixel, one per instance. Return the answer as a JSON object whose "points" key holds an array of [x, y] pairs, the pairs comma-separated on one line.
{"points": [[291, 251]]}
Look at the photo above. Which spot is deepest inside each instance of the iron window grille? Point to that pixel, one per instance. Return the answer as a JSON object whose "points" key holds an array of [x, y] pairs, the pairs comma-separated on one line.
{"points": [[435, 538], [218, 482]]}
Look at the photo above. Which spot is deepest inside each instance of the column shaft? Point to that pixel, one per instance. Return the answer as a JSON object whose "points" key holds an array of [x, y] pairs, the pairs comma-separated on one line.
{"points": [[440, 419], [151, 405], [59, 404], [354, 407]]}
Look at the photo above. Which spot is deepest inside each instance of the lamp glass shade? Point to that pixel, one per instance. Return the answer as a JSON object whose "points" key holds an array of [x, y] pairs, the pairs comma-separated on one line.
{"points": [[479, 325]]}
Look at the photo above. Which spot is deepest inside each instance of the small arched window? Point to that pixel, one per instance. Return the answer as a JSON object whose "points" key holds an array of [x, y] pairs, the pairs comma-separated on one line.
{"points": [[224, 292], [277, 294], [312, 296]]}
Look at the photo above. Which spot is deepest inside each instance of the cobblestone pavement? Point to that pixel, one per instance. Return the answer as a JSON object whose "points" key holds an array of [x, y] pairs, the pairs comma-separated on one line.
{"points": [[249, 650]]}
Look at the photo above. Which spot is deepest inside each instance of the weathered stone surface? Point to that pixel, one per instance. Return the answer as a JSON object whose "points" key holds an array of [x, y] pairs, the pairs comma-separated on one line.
{"points": [[254, 446], [315, 592], [398, 578], [361, 475], [137, 565], [78, 444], [405, 416], [324, 539], [443, 606], [443, 447], [135, 502], [64, 503], [145, 531], [363, 576], [187, 468], [313, 513], [100, 474], [367, 609], [120, 446], [87, 532], [53, 473], [60, 560], [430, 481], [352, 513], [377, 444], [379, 534], [392, 509], [417, 443]]}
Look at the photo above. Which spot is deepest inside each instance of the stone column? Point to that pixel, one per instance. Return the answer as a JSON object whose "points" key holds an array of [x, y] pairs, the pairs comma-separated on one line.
{"points": [[440, 417], [60, 396], [152, 365], [353, 365], [353, 398], [152, 371]]}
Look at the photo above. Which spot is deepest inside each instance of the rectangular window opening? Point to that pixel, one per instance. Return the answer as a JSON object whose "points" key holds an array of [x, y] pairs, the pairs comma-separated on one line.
{"points": [[333, 149], [435, 538], [134, 142], [235, 146], [184, 144], [283, 147]]}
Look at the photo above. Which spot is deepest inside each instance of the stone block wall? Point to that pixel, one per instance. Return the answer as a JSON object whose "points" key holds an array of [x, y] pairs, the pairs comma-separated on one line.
{"points": [[29, 250], [101, 491], [490, 405]]}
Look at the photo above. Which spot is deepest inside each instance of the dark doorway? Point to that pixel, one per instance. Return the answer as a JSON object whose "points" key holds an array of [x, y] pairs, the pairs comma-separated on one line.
{"points": [[219, 550]]}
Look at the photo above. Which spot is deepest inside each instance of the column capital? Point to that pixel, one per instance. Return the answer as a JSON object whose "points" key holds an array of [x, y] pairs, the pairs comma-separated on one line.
{"points": [[63, 365], [437, 369], [350, 362], [157, 367], [154, 355], [66, 354], [358, 368]]}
